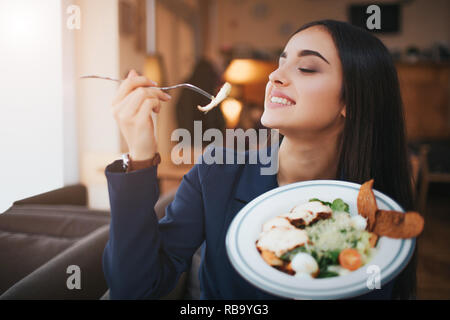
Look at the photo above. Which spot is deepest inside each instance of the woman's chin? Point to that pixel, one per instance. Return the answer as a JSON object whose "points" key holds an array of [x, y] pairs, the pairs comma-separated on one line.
{"points": [[272, 121]]}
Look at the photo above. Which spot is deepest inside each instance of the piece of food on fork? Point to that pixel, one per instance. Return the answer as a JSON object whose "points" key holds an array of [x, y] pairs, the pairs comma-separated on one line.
{"points": [[221, 95]]}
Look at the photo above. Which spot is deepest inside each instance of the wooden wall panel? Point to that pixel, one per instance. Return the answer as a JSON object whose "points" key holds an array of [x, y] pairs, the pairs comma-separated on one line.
{"points": [[425, 92]]}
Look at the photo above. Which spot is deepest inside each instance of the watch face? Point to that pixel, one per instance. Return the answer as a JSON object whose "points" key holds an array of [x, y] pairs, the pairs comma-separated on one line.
{"points": [[125, 160]]}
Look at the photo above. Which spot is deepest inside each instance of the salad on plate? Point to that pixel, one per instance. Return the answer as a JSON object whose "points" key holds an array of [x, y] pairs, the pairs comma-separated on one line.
{"points": [[320, 239], [317, 239]]}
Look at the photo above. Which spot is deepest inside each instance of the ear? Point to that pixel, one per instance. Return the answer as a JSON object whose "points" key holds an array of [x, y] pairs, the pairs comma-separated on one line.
{"points": [[343, 112]]}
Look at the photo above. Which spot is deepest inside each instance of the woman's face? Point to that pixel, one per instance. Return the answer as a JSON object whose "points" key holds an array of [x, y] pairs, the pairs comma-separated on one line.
{"points": [[309, 78]]}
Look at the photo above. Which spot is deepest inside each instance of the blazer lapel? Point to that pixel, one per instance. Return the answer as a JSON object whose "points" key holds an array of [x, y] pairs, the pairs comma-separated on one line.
{"points": [[251, 183]]}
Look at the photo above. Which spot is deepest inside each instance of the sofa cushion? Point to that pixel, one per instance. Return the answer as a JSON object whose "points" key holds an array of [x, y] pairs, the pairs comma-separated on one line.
{"points": [[31, 235], [49, 281], [69, 195], [53, 220]]}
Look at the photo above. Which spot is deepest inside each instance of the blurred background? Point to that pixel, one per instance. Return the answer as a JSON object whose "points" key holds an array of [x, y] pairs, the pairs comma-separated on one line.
{"points": [[56, 130]]}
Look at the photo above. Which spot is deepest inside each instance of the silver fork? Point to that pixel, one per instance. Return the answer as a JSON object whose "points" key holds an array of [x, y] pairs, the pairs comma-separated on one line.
{"points": [[181, 85]]}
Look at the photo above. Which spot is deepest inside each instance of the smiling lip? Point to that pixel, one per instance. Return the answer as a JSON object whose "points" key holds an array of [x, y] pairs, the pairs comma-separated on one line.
{"points": [[278, 93]]}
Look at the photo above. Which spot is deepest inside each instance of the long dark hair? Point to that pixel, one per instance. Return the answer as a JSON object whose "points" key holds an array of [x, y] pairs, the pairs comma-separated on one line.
{"points": [[373, 140]]}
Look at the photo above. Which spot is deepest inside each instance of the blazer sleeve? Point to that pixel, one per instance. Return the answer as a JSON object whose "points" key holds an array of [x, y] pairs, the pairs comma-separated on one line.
{"points": [[144, 258]]}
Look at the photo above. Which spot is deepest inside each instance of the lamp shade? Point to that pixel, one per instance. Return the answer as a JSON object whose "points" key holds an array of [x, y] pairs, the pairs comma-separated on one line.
{"points": [[248, 71], [153, 68], [231, 110]]}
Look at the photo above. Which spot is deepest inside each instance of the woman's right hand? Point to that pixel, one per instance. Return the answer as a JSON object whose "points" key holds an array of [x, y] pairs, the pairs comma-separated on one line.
{"points": [[132, 108]]}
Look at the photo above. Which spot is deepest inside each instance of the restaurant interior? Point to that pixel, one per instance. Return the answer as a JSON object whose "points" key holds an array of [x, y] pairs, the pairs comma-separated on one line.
{"points": [[57, 132]]}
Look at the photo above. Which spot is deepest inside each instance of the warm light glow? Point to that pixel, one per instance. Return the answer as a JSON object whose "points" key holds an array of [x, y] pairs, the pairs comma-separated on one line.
{"points": [[247, 71], [231, 110], [153, 69], [33, 117], [24, 25]]}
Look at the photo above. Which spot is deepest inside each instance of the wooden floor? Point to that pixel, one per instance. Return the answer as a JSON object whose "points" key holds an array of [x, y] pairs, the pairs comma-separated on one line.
{"points": [[433, 272]]}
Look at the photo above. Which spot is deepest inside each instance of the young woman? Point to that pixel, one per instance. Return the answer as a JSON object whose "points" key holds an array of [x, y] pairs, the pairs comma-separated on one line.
{"points": [[342, 120]]}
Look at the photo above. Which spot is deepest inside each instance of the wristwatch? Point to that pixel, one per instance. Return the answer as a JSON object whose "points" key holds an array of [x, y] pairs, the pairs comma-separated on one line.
{"points": [[125, 161], [128, 164]]}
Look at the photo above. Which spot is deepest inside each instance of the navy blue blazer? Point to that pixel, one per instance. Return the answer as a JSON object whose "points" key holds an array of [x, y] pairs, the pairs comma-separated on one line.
{"points": [[144, 258]]}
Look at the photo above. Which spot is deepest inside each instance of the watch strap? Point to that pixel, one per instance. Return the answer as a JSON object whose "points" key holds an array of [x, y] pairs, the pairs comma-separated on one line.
{"points": [[133, 165]]}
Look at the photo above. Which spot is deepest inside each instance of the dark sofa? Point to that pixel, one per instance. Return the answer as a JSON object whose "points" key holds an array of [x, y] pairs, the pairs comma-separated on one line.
{"points": [[41, 236]]}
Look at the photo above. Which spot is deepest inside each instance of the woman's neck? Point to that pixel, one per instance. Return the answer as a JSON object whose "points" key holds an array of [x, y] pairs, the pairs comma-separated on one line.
{"points": [[308, 159]]}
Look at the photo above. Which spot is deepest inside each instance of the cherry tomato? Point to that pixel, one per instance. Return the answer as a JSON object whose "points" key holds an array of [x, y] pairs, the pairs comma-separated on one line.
{"points": [[350, 259]]}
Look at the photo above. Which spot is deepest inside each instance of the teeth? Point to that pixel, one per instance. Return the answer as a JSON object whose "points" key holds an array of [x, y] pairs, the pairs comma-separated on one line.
{"points": [[280, 101]]}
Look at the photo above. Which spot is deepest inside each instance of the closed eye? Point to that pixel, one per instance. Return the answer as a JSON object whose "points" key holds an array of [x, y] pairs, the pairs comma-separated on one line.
{"points": [[306, 70]]}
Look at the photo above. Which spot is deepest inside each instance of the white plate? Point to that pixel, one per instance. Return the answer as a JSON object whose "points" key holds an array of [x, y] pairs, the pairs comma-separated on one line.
{"points": [[391, 257]]}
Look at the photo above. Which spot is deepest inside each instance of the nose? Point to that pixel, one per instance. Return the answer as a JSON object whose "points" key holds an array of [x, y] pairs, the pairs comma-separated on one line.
{"points": [[278, 78]]}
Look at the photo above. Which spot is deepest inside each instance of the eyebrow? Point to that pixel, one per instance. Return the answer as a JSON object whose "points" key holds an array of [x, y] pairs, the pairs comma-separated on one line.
{"points": [[305, 53]]}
